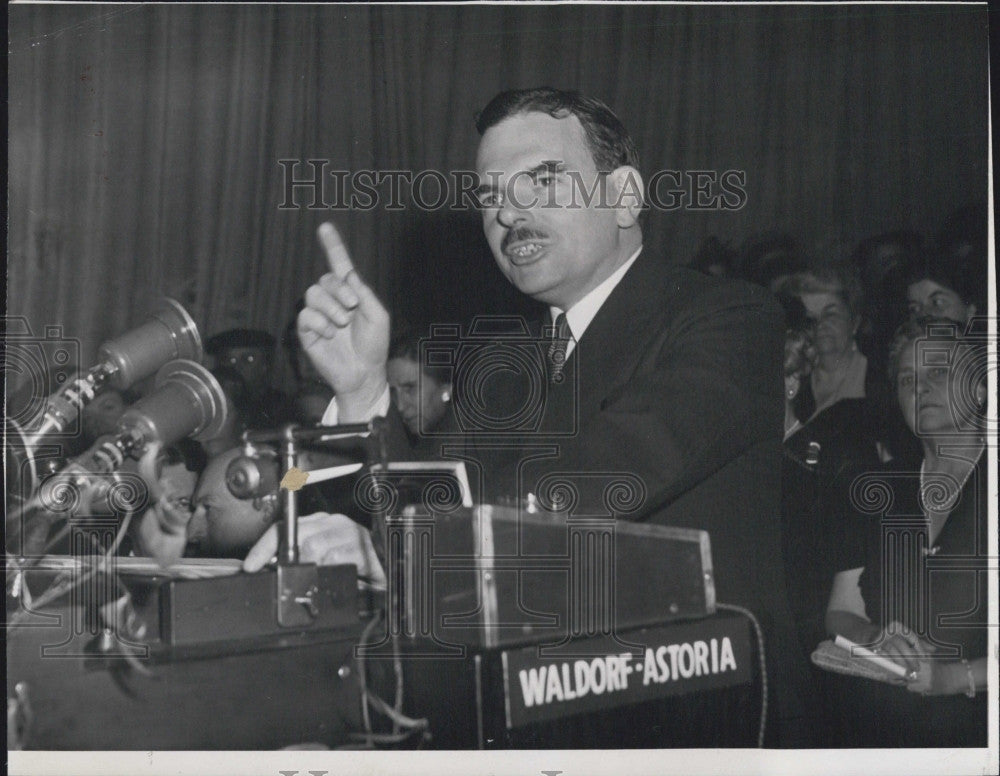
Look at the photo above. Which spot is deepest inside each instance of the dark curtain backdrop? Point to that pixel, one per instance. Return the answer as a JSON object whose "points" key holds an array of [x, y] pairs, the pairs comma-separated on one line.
{"points": [[144, 140]]}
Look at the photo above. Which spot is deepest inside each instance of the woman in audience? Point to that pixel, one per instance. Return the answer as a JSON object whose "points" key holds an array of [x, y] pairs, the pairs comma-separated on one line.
{"points": [[946, 284], [946, 281], [907, 598], [834, 395], [421, 394], [833, 298], [818, 522], [822, 459]]}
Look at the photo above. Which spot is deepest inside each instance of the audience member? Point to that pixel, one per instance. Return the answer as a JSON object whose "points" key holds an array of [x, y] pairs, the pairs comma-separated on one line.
{"points": [[932, 624], [421, 394], [171, 480], [880, 257], [251, 353], [221, 525], [101, 415], [947, 284], [818, 522], [833, 298], [239, 411], [882, 262]]}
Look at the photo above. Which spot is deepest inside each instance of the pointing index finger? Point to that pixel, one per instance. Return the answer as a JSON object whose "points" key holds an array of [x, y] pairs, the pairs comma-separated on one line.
{"points": [[336, 253]]}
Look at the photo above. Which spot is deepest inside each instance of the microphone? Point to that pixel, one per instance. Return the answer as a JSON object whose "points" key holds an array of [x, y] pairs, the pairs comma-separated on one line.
{"points": [[250, 476], [187, 402], [169, 334]]}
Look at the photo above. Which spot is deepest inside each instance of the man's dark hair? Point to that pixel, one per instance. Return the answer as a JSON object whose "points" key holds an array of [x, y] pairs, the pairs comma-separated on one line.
{"points": [[770, 255], [609, 141]]}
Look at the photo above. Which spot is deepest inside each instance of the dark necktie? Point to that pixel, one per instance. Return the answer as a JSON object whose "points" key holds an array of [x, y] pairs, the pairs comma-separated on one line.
{"points": [[557, 348]]}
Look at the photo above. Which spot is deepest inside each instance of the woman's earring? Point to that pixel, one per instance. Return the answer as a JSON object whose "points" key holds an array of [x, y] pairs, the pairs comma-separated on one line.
{"points": [[445, 396]]}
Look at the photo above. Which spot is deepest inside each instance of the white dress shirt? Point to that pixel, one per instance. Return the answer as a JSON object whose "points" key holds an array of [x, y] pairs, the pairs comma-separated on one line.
{"points": [[579, 316]]}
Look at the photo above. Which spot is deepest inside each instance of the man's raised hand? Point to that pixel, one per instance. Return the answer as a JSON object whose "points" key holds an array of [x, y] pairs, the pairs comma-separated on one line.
{"points": [[345, 331]]}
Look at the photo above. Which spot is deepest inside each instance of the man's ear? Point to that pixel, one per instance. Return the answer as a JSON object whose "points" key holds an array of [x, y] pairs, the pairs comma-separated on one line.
{"points": [[626, 195]]}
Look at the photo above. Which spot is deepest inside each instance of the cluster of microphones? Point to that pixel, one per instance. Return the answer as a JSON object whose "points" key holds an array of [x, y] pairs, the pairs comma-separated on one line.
{"points": [[186, 402]]}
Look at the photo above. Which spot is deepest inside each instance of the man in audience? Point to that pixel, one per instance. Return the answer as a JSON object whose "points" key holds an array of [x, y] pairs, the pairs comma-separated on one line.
{"points": [[674, 378], [251, 353], [223, 526]]}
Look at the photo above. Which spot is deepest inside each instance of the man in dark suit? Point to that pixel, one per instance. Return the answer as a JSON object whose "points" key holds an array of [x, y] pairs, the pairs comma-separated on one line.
{"points": [[675, 377]]}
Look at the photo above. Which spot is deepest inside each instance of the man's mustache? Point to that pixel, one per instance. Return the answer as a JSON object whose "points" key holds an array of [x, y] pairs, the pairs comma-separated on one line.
{"points": [[521, 234]]}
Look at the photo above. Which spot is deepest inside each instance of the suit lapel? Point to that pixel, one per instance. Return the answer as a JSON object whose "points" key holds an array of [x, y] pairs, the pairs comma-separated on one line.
{"points": [[614, 341]]}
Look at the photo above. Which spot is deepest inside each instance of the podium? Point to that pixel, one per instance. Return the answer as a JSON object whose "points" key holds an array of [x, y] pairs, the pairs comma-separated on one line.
{"points": [[528, 629], [145, 686]]}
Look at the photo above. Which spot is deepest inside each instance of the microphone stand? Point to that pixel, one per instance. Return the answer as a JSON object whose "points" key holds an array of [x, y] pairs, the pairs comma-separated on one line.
{"points": [[297, 582]]}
